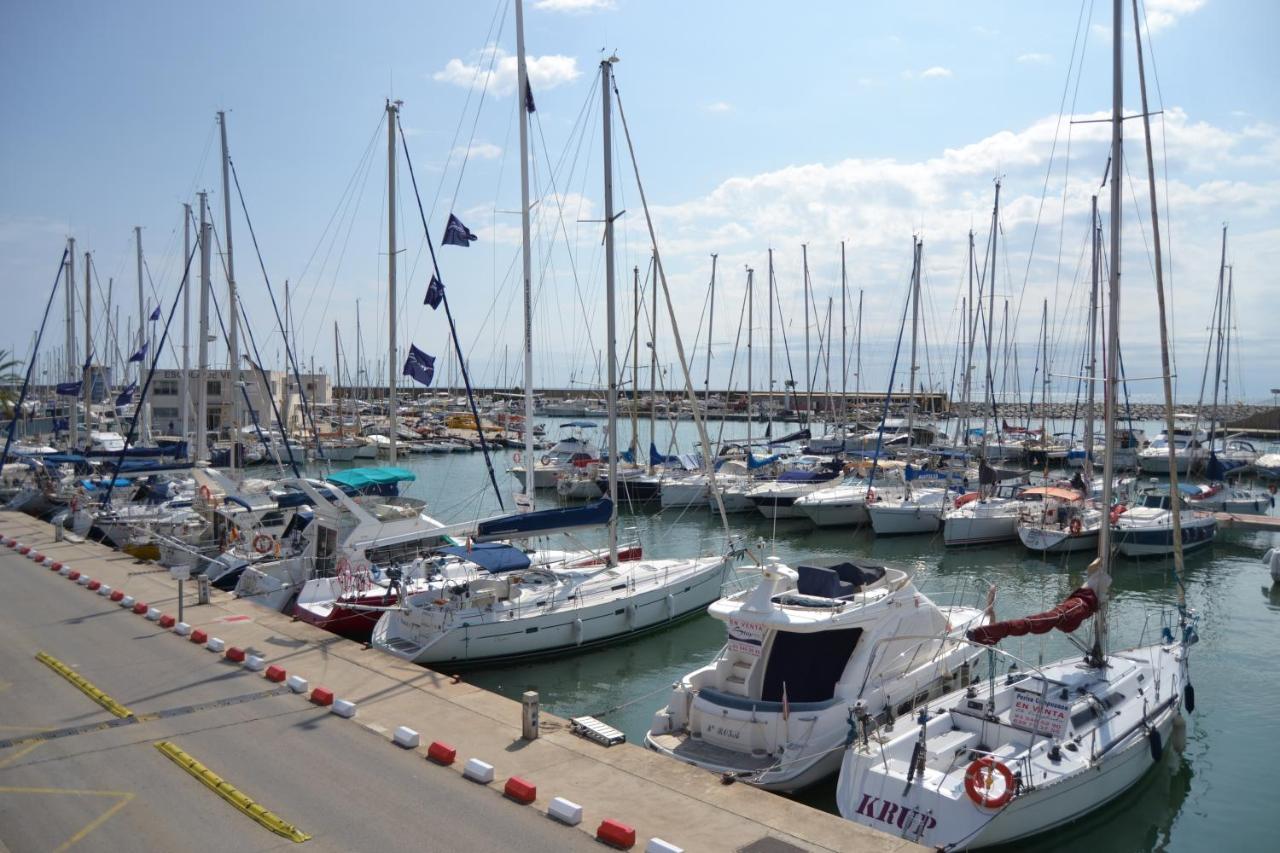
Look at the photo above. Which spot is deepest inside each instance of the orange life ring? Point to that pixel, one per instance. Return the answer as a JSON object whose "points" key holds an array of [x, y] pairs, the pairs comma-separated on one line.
{"points": [[1117, 511], [205, 493], [968, 497], [978, 781], [262, 543], [1076, 526]]}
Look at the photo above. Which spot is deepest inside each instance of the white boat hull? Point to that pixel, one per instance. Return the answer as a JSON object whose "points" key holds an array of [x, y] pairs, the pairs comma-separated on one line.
{"points": [[850, 513], [1054, 540], [898, 520]]}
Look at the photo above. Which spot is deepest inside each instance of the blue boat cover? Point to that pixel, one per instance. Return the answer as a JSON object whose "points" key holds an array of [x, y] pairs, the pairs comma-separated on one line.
{"points": [[360, 478], [545, 521], [754, 463], [493, 557], [818, 476], [578, 425]]}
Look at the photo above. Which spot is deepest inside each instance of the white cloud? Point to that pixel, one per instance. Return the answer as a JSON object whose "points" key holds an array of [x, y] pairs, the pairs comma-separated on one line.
{"points": [[573, 5], [479, 151], [1165, 13], [1039, 58], [719, 107], [936, 71], [499, 67]]}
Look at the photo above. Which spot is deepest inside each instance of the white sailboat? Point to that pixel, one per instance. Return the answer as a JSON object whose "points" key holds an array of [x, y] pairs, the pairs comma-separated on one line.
{"points": [[1011, 757]]}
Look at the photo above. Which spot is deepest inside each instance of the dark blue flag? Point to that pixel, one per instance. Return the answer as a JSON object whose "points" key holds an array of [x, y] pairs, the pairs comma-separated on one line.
{"points": [[435, 293], [140, 355], [420, 366], [126, 396], [456, 234], [155, 315], [70, 389], [528, 97]]}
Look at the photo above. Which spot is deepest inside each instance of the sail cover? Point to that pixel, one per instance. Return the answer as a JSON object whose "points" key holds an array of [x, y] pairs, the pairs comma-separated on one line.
{"points": [[545, 522], [1066, 617]]}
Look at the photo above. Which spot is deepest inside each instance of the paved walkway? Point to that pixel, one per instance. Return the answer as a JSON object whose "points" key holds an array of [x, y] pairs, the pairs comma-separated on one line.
{"points": [[72, 774]]}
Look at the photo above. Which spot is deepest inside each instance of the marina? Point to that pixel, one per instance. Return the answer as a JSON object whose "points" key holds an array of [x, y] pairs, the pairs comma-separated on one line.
{"points": [[644, 512]]}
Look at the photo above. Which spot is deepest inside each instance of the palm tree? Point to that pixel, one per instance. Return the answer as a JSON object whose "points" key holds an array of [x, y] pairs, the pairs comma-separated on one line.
{"points": [[9, 378]]}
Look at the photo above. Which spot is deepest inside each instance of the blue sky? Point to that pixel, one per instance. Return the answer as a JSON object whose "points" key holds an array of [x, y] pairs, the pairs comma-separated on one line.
{"points": [[754, 128]]}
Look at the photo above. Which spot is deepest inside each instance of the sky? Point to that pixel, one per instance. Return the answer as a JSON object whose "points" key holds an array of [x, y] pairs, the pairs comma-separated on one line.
{"points": [[754, 127]]}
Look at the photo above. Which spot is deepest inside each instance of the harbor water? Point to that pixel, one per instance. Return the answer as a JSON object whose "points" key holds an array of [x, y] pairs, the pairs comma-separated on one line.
{"points": [[1208, 795]]}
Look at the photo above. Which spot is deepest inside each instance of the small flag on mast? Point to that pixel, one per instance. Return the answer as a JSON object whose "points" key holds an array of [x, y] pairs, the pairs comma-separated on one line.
{"points": [[457, 234], [155, 315], [420, 366], [528, 97], [140, 355], [435, 293], [126, 396]]}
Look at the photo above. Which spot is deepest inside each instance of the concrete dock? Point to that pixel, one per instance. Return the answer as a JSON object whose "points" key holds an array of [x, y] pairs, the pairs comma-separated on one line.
{"points": [[79, 765]]}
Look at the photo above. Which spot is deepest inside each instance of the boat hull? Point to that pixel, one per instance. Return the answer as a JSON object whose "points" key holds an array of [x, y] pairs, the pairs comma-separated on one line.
{"points": [[905, 520]]}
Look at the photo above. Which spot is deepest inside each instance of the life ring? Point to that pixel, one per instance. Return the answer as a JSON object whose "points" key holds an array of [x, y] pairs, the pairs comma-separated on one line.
{"points": [[1119, 510], [205, 493], [979, 779], [966, 498], [517, 457], [262, 543], [546, 460], [1076, 526]]}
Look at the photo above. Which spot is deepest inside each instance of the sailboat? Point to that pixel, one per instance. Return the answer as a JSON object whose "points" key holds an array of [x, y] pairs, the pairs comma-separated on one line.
{"points": [[1009, 757], [509, 609]]}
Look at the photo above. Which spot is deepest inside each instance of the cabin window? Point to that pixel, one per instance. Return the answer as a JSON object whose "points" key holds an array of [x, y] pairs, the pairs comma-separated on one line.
{"points": [[809, 664], [326, 548]]}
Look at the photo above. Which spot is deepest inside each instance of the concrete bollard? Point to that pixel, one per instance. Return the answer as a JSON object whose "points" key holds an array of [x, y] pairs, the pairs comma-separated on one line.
{"points": [[441, 753], [182, 629], [126, 601], [84, 580], [343, 708], [297, 684], [154, 614], [478, 771], [657, 845], [616, 834], [253, 663], [565, 811], [215, 644], [406, 737], [104, 590], [529, 715]]}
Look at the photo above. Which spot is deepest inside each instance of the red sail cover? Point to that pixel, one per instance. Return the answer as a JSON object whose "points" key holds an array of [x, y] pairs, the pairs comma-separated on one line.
{"points": [[1067, 616]]}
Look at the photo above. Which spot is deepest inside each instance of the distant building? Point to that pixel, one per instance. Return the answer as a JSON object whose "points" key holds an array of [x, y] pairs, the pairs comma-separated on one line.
{"points": [[166, 396]]}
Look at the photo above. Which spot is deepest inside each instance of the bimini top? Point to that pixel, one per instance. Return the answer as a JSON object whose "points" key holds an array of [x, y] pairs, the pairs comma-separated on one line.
{"points": [[1053, 492], [493, 557], [362, 478], [577, 425]]}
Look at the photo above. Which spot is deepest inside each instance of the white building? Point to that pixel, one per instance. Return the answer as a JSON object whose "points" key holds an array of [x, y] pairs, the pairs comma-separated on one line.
{"points": [[166, 397]]}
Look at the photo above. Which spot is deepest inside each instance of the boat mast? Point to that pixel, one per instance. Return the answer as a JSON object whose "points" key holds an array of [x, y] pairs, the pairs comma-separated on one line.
{"points": [[337, 377], [606, 67], [1044, 384], [1174, 494], [185, 383], [808, 374], [844, 344], [1097, 656], [202, 383], [393, 107], [233, 310], [526, 252], [635, 365], [857, 372], [750, 315], [711, 318], [1093, 334], [990, 390], [653, 366], [1217, 365], [86, 377], [769, 405], [144, 408], [917, 248], [69, 363]]}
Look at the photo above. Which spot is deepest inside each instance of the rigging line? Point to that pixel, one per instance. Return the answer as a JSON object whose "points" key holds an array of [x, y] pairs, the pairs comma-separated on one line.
{"points": [[462, 364], [307, 414], [492, 45], [1066, 85], [484, 90], [35, 351]]}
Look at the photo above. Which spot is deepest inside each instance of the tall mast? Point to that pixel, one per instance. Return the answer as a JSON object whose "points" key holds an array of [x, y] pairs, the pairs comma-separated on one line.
{"points": [[750, 316], [1044, 383], [971, 331], [711, 324], [392, 402], [808, 374], [769, 426], [857, 365], [653, 366], [1217, 367], [844, 341], [337, 377], [184, 402], [1095, 237], [915, 324], [70, 361], [526, 245], [989, 391], [1166, 371], [233, 311], [143, 407], [606, 68], [202, 383], [635, 365], [1098, 654], [86, 377]]}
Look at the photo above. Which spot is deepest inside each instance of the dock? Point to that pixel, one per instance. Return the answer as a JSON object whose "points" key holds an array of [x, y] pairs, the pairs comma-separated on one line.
{"points": [[1236, 521], [242, 729]]}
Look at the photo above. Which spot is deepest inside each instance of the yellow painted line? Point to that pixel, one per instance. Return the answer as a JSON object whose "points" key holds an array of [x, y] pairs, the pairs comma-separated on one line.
{"points": [[125, 798], [230, 793], [83, 685]]}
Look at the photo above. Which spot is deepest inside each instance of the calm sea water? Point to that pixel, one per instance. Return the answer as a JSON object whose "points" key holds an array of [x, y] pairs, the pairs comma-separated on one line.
{"points": [[1212, 794]]}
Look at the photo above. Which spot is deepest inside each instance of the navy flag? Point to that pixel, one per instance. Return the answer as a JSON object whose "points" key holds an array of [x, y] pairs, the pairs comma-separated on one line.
{"points": [[69, 389], [140, 355], [126, 396], [155, 315], [420, 366], [456, 234], [435, 293], [528, 97]]}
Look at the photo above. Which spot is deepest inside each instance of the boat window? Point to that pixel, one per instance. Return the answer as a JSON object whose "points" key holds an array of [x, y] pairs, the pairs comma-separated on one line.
{"points": [[326, 548], [809, 664]]}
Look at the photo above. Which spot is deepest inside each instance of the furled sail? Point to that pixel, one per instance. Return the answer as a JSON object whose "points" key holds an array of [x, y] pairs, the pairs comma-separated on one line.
{"points": [[1067, 617]]}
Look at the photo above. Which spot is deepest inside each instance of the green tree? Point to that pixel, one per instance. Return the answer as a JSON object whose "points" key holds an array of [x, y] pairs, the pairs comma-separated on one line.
{"points": [[10, 379]]}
